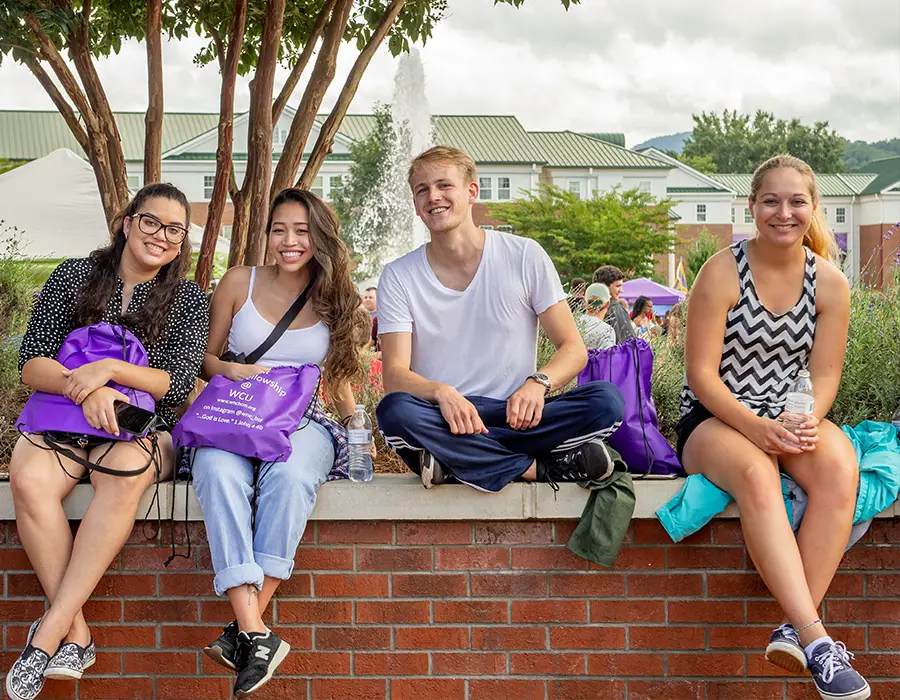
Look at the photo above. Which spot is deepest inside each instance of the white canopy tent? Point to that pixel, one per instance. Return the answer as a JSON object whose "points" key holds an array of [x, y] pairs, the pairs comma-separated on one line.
{"points": [[54, 204]]}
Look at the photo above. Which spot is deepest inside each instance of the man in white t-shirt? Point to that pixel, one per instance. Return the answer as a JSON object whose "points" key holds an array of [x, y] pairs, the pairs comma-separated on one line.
{"points": [[458, 319]]}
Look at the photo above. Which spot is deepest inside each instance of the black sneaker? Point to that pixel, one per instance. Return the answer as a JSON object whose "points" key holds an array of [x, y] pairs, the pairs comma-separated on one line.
{"points": [[259, 655], [591, 461], [25, 679], [785, 649], [224, 650], [430, 469]]}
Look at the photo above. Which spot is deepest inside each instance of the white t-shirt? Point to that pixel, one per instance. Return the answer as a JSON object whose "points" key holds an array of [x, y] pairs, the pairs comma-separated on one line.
{"points": [[482, 341], [596, 333]]}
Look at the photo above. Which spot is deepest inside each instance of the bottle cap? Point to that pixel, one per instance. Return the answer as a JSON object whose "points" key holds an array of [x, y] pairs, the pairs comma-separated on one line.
{"points": [[360, 407], [803, 373]]}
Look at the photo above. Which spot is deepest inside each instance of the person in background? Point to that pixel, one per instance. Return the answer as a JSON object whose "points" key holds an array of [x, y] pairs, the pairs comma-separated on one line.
{"points": [[642, 317], [370, 304], [595, 331], [616, 315], [575, 300]]}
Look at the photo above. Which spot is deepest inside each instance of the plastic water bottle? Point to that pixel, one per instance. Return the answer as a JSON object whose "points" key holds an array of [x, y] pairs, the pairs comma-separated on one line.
{"points": [[799, 401], [359, 435]]}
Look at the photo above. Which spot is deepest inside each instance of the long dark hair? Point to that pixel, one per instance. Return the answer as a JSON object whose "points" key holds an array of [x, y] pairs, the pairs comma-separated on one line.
{"points": [[638, 307], [149, 323], [334, 296]]}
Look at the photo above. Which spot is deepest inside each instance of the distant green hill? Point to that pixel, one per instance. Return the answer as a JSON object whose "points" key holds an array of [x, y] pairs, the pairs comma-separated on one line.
{"points": [[858, 153]]}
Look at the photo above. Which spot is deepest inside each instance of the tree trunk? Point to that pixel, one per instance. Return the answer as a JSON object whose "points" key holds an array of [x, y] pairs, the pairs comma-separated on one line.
{"points": [[288, 88], [93, 88], [64, 108], [348, 92], [238, 230], [259, 146], [153, 120], [96, 150], [319, 82], [224, 163]]}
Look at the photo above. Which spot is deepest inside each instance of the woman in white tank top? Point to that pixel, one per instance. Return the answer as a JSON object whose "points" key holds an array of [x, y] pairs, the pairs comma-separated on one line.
{"points": [[250, 561]]}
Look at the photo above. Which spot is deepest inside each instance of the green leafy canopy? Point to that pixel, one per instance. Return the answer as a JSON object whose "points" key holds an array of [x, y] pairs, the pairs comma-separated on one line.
{"points": [[621, 228]]}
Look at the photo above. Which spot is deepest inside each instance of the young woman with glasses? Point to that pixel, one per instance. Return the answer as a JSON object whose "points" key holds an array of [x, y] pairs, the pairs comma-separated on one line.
{"points": [[137, 282]]}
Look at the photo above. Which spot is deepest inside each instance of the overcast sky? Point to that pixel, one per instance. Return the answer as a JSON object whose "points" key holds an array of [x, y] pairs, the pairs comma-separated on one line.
{"points": [[641, 67]]}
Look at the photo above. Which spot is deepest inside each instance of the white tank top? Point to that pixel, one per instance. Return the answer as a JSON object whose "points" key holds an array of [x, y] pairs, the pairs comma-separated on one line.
{"points": [[295, 347]]}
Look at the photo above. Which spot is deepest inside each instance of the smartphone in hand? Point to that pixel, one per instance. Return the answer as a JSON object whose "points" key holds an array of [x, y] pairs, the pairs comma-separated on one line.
{"points": [[134, 419]]}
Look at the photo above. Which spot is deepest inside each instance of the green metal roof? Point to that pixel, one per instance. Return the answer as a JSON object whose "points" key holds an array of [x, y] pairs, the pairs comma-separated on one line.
{"points": [[488, 139], [29, 135], [830, 184], [566, 149], [886, 172], [615, 138], [692, 190]]}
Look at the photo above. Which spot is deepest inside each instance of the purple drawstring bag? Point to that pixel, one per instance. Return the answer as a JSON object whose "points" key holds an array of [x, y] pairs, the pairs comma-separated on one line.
{"points": [[643, 448], [254, 417], [102, 341]]}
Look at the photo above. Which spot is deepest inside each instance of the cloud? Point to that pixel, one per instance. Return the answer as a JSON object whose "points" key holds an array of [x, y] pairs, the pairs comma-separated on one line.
{"points": [[642, 67]]}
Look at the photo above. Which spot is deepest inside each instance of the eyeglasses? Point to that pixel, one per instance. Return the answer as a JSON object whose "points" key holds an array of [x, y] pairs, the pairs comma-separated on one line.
{"points": [[149, 225]]}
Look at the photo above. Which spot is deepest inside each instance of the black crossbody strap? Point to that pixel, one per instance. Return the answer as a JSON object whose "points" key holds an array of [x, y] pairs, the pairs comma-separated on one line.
{"points": [[282, 326]]}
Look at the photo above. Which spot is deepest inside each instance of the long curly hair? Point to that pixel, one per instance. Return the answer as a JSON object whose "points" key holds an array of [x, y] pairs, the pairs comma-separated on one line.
{"points": [[334, 296], [150, 321]]}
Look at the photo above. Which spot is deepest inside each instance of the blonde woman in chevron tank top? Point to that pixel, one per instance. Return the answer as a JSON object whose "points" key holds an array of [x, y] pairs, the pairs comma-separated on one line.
{"points": [[758, 312]]}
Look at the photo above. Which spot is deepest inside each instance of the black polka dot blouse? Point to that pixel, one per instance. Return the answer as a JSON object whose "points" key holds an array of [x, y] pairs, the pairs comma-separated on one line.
{"points": [[179, 351]]}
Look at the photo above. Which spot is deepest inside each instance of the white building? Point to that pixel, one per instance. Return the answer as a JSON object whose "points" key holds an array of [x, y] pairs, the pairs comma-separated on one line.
{"points": [[860, 207]]}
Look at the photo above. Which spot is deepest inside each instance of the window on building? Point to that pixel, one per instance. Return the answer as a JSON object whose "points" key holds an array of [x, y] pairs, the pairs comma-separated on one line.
{"points": [[748, 215], [701, 212], [209, 182], [840, 215], [502, 188], [485, 189], [505, 228], [226, 231], [486, 227], [335, 186], [733, 215], [316, 188], [644, 186], [136, 181], [575, 188], [279, 136]]}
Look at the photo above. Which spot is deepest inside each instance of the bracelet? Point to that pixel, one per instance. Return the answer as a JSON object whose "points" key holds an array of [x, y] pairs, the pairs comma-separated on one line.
{"points": [[798, 630]]}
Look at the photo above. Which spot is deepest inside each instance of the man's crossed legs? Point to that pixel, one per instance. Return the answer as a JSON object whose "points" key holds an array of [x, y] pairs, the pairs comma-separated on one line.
{"points": [[567, 444]]}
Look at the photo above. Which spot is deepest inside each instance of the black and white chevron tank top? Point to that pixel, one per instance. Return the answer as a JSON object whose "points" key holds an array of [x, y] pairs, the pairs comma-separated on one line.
{"points": [[763, 351]]}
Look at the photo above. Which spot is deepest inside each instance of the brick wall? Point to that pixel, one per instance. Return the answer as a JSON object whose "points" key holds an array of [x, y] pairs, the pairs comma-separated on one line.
{"points": [[472, 611]]}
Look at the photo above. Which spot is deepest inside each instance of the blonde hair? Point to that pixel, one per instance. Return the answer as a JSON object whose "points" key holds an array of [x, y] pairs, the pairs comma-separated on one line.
{"points": [[818, 237], [444, 155]]}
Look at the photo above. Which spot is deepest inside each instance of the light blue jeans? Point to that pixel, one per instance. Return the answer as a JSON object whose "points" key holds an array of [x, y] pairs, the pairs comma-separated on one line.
{"points": [[287, 494]]}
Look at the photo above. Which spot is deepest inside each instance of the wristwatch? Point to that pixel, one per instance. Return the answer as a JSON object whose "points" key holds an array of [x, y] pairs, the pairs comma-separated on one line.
{"points": [[542, 379]]}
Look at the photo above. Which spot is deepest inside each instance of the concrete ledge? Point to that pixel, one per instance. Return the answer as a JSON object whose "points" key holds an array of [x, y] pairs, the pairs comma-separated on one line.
{"points": [[401, 497]]}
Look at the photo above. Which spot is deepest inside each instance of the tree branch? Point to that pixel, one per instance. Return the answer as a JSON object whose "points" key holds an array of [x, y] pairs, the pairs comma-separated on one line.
{"points": [[259, 146], [288, 89], [217, 40], [65, 109], [224, 160], [330, 128], [321, 78], [153, 120]]}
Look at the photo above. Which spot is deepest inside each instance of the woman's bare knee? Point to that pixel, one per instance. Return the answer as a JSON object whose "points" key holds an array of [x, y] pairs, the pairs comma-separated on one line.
{"points": [[836, 482], [35, 475], [756, 485]]}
